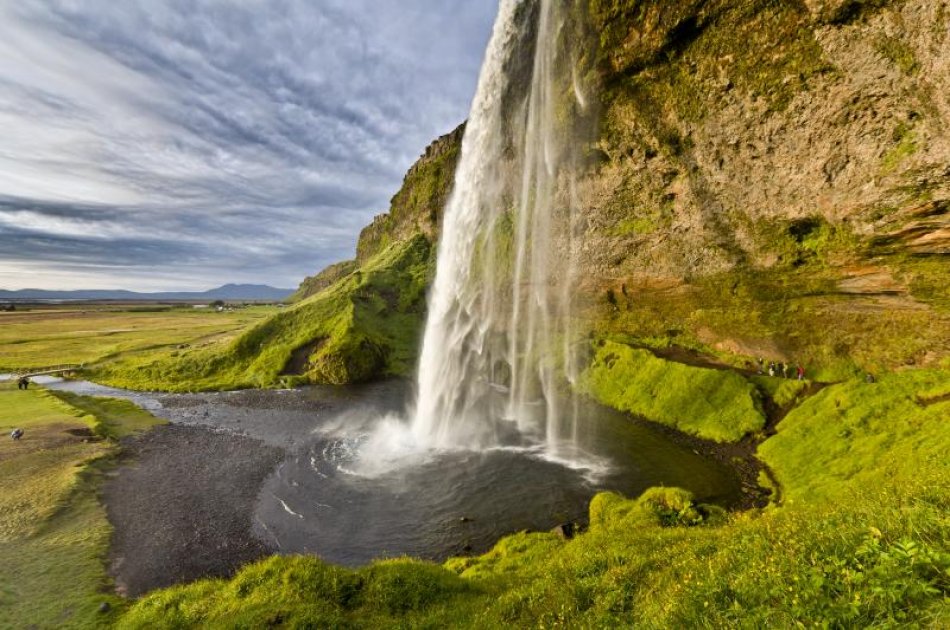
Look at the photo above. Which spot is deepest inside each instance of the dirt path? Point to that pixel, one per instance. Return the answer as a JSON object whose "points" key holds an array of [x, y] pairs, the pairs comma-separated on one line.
{"points": [[181, 503]]}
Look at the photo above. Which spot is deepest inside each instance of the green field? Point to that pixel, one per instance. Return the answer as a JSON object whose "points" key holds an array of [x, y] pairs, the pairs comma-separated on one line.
{"points": [[46, 337], [54, 535]]}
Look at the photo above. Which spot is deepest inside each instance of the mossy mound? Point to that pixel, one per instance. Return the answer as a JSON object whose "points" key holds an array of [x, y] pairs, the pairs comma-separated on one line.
{"points": [[718, 405], [304, 592], [871, 432], [364, 326]]}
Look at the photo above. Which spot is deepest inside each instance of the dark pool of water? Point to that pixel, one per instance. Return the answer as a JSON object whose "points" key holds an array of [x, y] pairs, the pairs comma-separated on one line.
{"points": [[431, 505]]}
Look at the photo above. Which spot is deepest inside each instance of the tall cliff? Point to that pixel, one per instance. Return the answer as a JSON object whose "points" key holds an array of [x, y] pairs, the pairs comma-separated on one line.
{"points": [[773, 179], [417, 207]]}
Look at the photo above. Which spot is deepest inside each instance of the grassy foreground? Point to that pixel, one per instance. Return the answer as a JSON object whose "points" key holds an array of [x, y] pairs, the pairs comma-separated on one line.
{"points": [[53, 531], [861, 539]]}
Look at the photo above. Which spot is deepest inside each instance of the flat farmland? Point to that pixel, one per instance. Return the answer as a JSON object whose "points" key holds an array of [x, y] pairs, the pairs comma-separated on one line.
{"points": [[85, 334]]}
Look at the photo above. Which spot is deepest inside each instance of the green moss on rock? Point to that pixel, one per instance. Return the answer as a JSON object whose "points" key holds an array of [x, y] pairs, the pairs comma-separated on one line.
{"points": [[365, 326], [714, 404]]}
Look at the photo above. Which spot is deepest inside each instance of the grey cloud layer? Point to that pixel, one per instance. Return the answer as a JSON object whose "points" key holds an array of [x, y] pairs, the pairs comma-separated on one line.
{"points": [[149, 144]]}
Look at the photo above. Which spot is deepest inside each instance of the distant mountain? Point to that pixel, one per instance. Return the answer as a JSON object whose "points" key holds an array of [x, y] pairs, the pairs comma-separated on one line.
{"points": [[233, 292]]}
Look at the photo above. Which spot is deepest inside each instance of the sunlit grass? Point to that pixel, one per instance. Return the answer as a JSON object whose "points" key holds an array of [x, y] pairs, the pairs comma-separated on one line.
{"points": [[53, 532], [715, 404], [43, 338]]}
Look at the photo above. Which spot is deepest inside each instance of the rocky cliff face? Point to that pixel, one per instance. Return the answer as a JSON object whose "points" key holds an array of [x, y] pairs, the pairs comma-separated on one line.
{"points": [[773, 178], [768, 179], [417, 207]]}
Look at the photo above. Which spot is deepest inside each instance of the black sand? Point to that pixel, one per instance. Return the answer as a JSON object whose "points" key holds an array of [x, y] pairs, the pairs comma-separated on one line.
{"points": [[181, 504]]}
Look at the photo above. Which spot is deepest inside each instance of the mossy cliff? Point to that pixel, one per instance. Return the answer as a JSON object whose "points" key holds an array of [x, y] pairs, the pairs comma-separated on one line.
{"points": [[312, 285], [417, 207], [772, 180]]}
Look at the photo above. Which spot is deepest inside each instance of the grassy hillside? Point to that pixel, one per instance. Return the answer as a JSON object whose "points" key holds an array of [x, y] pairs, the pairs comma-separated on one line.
{"points": [[714, 404], [365, 325], [860, 539], [327, 277]]}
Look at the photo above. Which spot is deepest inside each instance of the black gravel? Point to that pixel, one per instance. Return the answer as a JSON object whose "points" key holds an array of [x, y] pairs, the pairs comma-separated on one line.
{"points": [[181, 504]]}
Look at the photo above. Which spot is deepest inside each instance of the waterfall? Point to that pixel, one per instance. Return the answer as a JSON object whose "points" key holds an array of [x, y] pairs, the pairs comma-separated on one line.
{"points": [[497, 349]]}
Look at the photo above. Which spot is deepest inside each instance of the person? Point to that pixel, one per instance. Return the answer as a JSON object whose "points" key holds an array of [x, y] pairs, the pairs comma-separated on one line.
{"points": [[771, 368], [801, 372], [784, 370], [16, 434], [761, 362]]}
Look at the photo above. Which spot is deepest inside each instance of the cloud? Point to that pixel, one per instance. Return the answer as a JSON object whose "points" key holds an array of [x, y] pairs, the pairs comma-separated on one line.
{"points": [[208, 142]]}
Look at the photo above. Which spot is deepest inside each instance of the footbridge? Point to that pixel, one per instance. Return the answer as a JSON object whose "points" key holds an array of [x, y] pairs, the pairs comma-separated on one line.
{"points": [[49, 371]]}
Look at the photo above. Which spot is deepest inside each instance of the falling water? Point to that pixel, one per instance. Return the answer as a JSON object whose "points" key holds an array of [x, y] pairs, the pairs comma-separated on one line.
{"points": [[496, 352]]}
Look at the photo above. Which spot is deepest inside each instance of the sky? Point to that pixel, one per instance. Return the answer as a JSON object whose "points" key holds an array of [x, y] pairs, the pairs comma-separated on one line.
{"points": [[183, 144]]}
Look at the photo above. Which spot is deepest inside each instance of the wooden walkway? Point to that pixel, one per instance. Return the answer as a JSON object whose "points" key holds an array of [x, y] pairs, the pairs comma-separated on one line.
{"points": [[50, 371]]}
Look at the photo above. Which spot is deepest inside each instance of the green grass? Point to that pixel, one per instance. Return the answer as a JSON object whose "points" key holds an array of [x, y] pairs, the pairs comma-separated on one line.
{"points": [[366, 325], [43, 338], [873, 431], [782, 391], [303, 592], [864, 546], [113, 418], [718, 405], [53, 532]]}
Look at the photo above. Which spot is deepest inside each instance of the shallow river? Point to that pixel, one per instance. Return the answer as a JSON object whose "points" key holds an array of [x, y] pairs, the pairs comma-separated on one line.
{"points": [[324, 499]]}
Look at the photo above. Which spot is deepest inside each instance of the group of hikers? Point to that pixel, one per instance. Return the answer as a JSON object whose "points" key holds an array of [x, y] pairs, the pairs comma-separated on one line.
{"points": [[781, 369]]}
